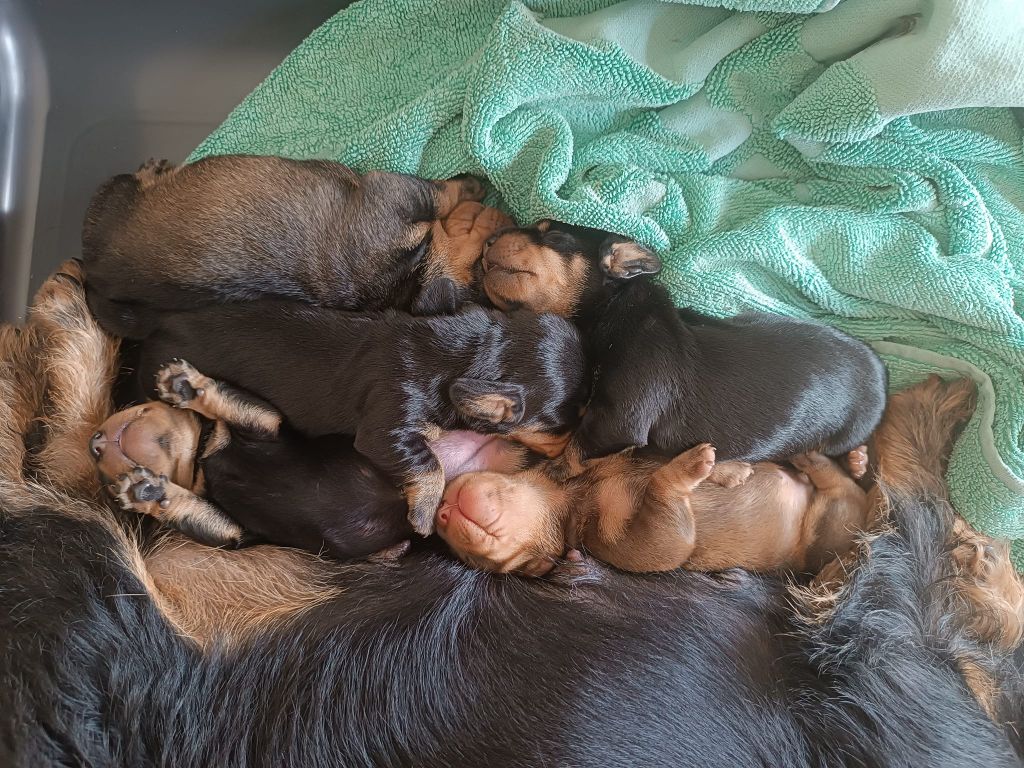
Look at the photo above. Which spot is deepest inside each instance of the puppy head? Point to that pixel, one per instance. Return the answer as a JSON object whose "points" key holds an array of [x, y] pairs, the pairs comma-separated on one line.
{"points": [[504, 523], [153, 435], [551, 270], [536, 269]]}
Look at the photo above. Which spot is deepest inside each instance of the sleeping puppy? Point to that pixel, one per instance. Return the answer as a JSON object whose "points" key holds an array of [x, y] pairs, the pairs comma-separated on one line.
{"points": [[240, 227], [644, 514], [757, 386], [391, 380], [218, 463]]}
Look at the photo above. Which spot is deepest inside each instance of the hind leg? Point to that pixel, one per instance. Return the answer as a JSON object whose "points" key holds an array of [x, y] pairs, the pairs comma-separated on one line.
{"points": [[78, 362], [454, 191], [837, 513]]}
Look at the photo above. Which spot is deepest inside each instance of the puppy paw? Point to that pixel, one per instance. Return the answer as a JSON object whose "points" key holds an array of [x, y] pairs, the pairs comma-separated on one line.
{"points": [[810, 462], [142, 491], [731, 474], [179, 384], [424, 495], [454, 191], [470, 187], [697, 463], [857, 462]]}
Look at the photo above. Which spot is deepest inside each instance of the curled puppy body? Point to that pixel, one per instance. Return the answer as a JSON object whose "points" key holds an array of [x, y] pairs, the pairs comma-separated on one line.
{"points": [[238, 227], [757, 386], [389, 379], [219, 464], [643, 514]]}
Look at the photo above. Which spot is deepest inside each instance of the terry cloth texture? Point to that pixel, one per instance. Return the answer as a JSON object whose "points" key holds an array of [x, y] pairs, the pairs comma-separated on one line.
{"points": [[853, 162]]}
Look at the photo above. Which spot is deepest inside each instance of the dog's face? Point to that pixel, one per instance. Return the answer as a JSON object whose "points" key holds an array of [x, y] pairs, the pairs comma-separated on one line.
{"points": [[547, 269], [153, 435], [535, 268], [504, 523], [530, 379]]}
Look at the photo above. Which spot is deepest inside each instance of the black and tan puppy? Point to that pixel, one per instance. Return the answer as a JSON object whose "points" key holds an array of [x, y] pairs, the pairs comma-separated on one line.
{"points": [[641, 514], [240, 227], [757, 386], [217, 463], [391, 380]]}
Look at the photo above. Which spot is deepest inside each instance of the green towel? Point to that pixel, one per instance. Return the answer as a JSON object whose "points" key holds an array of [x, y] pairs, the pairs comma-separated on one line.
{"points": [[852, 165]]}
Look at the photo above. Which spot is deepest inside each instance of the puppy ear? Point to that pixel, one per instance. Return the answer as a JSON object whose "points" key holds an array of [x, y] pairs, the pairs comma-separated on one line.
{"points": [[543, 226], [493, 401], [623, 259]]}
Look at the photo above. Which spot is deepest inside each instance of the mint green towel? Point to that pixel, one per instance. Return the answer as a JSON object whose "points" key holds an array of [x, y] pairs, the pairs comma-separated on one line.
{"points": [[851, 165]]}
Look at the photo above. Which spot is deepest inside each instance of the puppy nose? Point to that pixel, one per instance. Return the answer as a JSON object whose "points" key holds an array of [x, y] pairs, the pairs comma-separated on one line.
{"points": [[96, 445]]}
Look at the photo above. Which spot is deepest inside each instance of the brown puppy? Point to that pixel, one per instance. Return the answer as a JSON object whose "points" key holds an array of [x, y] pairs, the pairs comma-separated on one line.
{"points": [[222, 462], [237, 227], [640, 514]]}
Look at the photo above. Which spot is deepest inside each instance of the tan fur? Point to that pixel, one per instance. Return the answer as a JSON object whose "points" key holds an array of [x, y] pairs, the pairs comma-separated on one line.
{"points": [[20, 397], [424, 492], [627, 259], [544, 443], [79, 364], [212, 401], [226, 597], [912, 447], [644, 515], [518, 272], [457, 241]]}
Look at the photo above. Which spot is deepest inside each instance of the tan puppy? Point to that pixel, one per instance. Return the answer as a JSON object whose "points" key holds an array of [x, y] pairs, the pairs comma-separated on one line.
{"points": [[640, 514]]}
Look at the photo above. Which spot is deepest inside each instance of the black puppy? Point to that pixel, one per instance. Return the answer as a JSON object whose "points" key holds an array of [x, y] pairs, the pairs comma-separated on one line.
{"points": [[238, 227], [392, 380], [219, 464], [757, 386]]}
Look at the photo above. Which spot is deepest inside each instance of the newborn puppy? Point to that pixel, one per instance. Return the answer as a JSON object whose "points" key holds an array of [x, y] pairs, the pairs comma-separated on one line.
{"points": [[642, 514], [392, 380], [240, 227], [757, 386], [220, 463]]}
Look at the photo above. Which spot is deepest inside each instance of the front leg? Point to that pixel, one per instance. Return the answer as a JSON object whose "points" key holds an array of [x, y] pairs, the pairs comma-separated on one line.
{"points": [[660, 535], [409, 460], [181, 385], [144, 492], [456, 244]]}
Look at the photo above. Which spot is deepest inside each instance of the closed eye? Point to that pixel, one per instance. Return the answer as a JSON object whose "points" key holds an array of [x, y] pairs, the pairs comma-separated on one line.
{"points": [[165, 444]]}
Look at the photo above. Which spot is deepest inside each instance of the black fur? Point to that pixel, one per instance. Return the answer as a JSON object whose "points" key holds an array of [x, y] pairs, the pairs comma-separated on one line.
{"points": [[756, 386], [428, 663], [239, 227], [382, 376], [316, 494]]}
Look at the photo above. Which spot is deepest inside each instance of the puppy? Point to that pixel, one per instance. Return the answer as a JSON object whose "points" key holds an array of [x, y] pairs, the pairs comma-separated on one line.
{"points": [[391, 380], [757, 386], [240, 227], [642, 514], [217, 463]]}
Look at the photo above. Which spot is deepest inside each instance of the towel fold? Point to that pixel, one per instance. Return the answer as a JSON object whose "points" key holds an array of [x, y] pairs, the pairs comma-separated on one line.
{"points": [[851, 165]]}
